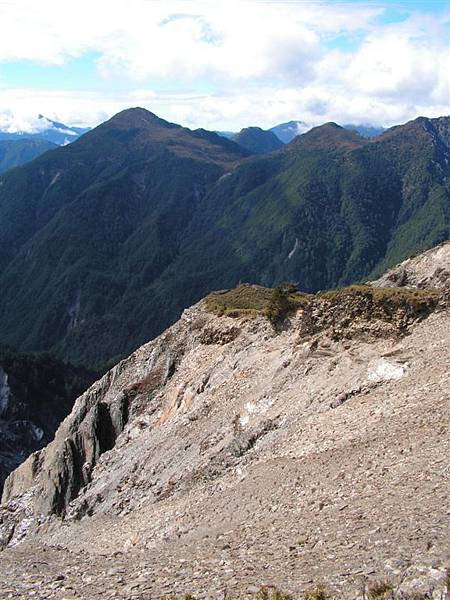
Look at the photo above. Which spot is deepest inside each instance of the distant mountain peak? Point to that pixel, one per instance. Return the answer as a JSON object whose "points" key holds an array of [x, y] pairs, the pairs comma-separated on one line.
{"points": [[286, 132], [41, 128], [257, 140], [252, 129], [365, 129], [330, 136], [140, 117], [332, 125]]}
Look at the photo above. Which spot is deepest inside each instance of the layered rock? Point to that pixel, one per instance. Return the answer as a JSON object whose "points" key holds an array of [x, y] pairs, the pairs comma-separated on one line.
{"points": [[430, 269], [228, 453]]}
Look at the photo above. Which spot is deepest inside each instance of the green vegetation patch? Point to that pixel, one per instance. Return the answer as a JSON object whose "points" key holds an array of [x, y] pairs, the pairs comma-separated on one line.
{"points": [[341, 309], [379, 590], [252, 300], [244, 300], [417, 299]]}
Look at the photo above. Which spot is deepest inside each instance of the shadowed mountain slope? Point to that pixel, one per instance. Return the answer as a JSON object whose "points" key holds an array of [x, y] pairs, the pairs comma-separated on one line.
{"points": [[36, 393], [14, 153]]}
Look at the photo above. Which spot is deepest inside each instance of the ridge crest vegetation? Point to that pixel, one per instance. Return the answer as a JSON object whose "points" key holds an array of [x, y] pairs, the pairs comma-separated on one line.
{"points": [[341, 308]]}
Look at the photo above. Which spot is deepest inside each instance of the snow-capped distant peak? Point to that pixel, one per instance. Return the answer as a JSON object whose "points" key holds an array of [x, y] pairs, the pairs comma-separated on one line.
{"points": [[15, 126]]}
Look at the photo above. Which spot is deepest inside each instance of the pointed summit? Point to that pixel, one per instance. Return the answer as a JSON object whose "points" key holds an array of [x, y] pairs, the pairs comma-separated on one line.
{"points": [[139, 118], [139, 130], [329, 136]]}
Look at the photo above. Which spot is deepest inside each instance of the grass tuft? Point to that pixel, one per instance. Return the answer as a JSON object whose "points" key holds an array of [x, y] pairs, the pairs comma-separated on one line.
{"points": [[316, 594], [252, 300], [381, 590]]}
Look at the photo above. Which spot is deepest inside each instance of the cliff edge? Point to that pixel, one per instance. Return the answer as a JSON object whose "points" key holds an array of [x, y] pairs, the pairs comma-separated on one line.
{"points": [[233, 451]]}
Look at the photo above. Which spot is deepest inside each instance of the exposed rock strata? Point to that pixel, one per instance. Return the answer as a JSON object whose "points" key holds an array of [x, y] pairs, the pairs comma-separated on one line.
{"points": [[225, 455], [429, 269]]}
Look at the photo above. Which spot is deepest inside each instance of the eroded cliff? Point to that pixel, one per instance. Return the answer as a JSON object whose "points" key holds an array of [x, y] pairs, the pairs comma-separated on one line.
{"points": [[230, 453]]}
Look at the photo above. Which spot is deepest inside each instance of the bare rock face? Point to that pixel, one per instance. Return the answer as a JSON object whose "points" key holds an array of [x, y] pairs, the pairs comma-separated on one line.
{"points": [[431, 269], [225, 455], [99, 416]]}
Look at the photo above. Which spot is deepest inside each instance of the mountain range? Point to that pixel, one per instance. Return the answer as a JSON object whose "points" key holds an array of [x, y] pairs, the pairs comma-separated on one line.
{"points": [[44, 129], [104, 242], [286, 132], [19, 146]]}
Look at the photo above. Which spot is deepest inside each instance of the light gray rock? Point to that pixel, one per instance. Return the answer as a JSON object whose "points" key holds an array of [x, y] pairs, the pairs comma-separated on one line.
{"points": [[222, 456]]}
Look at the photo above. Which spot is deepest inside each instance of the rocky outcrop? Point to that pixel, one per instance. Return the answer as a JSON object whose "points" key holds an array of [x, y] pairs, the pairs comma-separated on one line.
{"points": [[228, 453], [138, 386], [431, 269], [99, 416], [362, 311]]}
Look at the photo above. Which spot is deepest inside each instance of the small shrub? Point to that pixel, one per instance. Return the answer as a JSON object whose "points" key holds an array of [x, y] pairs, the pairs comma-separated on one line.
{"points": [[278, 306], [316, 594], [413, 596], [265, 594], [380, 590]]}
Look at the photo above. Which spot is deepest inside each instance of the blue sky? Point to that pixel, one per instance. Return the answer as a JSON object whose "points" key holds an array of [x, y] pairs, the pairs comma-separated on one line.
{"points": [[225, 63]]}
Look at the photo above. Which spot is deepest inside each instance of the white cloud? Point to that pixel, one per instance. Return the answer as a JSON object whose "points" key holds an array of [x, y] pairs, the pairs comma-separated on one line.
{"points": [[229, 111], [261, 62], [232, 39], [410, 60], [221, 42], [28, 122]]}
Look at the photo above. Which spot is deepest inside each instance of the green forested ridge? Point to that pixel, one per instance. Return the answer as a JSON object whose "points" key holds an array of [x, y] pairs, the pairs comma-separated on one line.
{"points": [[257, 141], [104, 242], [14, 153]]}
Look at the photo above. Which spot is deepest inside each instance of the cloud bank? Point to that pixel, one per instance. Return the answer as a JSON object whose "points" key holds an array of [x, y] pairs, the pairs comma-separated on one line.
{"points": [[230, 63]]}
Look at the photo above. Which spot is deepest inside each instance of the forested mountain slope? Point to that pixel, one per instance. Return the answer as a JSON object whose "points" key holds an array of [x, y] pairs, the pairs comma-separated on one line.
{"points": [[14, 153], [84, 229], [106, 241]]}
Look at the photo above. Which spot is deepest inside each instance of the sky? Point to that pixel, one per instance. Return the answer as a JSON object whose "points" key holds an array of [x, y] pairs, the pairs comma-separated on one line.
{"points": [[224, 64]]}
